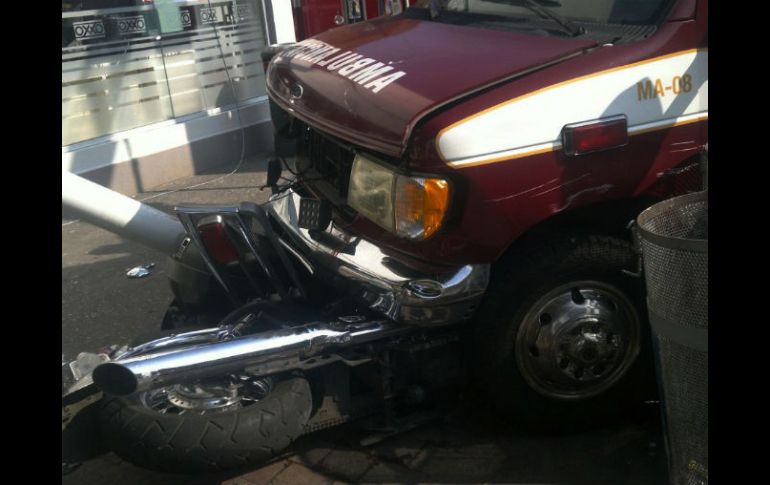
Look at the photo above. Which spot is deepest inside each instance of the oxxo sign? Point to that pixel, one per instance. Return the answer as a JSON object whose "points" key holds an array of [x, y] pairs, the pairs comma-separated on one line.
{"points": [[243, 11], [130, 25], [186, 18], [94, 29], [91, 29], [209, 15]]}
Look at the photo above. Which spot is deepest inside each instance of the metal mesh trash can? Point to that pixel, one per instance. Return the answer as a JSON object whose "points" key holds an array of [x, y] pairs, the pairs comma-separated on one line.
{"points": [[674, 240]]}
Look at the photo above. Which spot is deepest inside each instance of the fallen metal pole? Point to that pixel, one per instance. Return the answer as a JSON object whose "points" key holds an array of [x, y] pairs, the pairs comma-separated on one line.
{"points": [[120, 214]]}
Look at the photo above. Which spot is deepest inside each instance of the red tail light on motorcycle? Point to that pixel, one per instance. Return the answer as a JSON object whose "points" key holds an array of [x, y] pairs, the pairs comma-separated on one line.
{"points": [[214, 236], [594, 136]]}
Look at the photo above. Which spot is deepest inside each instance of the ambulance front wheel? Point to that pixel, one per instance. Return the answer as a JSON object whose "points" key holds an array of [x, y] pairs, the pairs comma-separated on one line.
{"points": [[563, 334]]}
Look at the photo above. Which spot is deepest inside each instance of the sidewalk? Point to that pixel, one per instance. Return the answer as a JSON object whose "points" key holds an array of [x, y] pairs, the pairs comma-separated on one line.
{"points": [[100, 306]]}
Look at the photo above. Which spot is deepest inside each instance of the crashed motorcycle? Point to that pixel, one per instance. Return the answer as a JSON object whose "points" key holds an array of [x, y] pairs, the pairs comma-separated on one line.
{"points": [[278, 329], [282, 324]]}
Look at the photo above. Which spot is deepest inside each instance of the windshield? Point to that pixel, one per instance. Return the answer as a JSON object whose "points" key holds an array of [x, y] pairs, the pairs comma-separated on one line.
{"points": [[629, 12]]}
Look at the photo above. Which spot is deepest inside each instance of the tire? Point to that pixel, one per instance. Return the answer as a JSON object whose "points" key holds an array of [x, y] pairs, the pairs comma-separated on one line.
{"points": [[188, 443], [536, 345]]}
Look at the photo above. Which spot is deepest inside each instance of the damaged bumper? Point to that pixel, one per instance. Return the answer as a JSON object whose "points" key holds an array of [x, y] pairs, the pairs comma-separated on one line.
{"points": [[431, 296]]}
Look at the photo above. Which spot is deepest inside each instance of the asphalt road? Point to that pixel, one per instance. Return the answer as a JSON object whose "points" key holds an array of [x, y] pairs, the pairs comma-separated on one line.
{"points": [[101, 306]]}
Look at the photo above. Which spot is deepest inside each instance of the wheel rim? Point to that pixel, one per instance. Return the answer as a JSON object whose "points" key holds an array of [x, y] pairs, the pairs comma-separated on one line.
{"points": [[233, 392], [578, 340]]}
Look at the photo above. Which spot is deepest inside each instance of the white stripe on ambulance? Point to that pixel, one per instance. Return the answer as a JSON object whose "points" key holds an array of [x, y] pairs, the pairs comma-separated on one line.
{"points": [[664, 91]]}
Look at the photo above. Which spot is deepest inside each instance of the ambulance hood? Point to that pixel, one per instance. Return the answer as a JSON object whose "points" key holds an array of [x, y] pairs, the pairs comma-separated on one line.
{"points": [[369, 83]]}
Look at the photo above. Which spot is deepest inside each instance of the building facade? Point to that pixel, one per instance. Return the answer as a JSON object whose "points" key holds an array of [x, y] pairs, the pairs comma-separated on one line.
{"points": [[156, 90]]}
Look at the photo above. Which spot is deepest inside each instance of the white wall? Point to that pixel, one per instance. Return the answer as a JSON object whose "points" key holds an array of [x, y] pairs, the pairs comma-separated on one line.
{"points": [[140, 142], [284, 21]]}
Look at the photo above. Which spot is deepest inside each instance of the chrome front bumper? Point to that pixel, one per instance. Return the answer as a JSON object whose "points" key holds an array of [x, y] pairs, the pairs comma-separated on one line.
{"points": [[433, 297]]}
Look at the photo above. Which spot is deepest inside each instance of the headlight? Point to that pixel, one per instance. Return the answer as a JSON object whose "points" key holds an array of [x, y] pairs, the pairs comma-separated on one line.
{"points": [[412, 207]]}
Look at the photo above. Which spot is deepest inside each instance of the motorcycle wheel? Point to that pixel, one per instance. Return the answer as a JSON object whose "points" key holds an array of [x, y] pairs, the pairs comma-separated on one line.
{"points": [[563, 338], [197, 430]]}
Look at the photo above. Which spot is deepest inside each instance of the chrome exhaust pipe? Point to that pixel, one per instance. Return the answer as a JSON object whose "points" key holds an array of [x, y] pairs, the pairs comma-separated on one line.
{"points": [[278, 350]]}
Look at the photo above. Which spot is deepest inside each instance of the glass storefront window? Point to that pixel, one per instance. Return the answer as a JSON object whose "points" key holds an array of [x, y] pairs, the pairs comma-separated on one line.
{"points": [[129, 63]]}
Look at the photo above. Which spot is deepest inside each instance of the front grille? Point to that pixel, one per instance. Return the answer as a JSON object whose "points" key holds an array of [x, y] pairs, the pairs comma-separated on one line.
{"points": [[327, 159]]}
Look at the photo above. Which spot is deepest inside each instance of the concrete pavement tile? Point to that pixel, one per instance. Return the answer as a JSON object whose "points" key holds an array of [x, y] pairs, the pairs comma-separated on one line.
{"points": [[389, 473], [298, 474], [310, 451], [401, 449], [237, 481], [408, 457], [263, 475], [311, 457], [442, 435], [346, 464], [109, 469], [474, 462], [418, 460]]}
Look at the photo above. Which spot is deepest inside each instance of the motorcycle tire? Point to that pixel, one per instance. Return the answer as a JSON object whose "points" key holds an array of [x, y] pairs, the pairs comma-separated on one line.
{"points": [[522, 353], [187, 443]]}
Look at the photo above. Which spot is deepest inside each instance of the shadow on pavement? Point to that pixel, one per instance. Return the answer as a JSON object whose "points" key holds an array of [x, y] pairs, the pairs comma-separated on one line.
{"points": [[467, 446]]}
